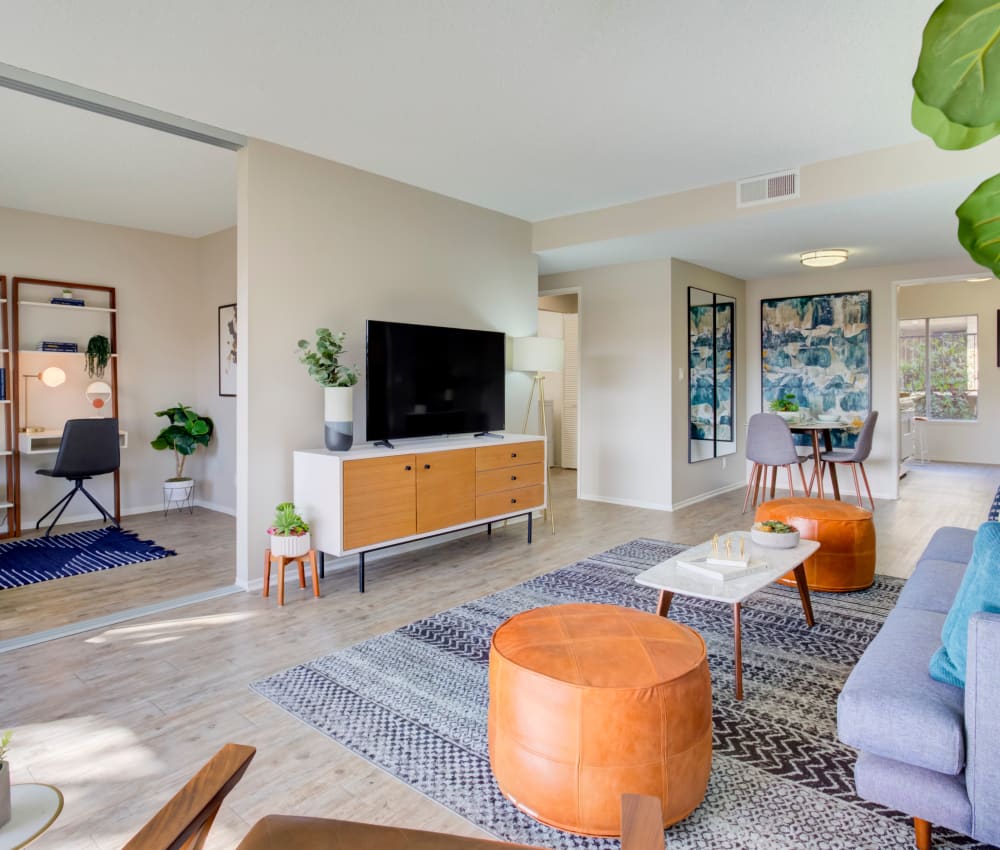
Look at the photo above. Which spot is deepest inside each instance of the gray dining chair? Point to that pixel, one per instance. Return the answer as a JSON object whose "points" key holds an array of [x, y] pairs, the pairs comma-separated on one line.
{"points": [[769, 445], [856, 457]]}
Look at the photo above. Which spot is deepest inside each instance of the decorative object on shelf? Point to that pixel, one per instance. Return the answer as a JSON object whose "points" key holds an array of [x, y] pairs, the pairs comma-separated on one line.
{"points": [[67, 293], [711, 382], [227, 349], [3, 383], [187, 430], [98, 355], [51, 376], [337, 381], [289, 532], [539, 354], [98, 394], [774, 534], [4, 779], [817, 348]]}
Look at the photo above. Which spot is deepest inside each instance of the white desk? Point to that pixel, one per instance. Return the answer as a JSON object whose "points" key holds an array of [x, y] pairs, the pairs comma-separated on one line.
{"points": [[47, 442], [33, 809]]}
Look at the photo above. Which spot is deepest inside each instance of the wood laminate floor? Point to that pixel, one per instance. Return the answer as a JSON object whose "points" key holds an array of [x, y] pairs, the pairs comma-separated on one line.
{"points": [[119, 718]]}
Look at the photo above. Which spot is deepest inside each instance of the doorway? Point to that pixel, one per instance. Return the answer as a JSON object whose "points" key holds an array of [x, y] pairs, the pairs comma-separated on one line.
{"points": [[559, 317]]}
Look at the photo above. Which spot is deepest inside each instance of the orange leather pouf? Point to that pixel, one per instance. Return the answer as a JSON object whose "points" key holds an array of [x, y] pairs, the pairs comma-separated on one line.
{"points": [[846, 556], [588, 702]]}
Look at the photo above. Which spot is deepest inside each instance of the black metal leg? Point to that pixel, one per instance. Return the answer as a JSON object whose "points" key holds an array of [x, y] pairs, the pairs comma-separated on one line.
{"points": [[322, 565], [361, 572], [489, 528], [65, 498], [99, 506], [529, 526]]}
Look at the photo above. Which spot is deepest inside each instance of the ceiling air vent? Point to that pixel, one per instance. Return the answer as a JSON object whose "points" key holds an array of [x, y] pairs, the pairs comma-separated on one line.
{"points": [[767, 188]]}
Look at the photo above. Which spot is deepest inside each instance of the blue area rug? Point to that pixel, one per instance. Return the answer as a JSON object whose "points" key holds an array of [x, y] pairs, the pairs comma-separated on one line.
{"points": [[39, 559], [414, 701]]}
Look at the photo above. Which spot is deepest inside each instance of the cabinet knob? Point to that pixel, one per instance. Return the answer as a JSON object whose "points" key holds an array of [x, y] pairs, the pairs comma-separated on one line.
{"points": [[513, 501], [513, 454], [408, 467], [427, 466], [513, 478]]}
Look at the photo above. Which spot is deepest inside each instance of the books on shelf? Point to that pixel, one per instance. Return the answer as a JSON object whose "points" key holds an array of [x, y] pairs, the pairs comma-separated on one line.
{"points": [[3, 384], [50, 345], [68, 302]]}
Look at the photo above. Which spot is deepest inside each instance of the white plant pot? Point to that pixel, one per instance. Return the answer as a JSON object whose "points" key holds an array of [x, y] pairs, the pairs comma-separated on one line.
{"points": [[4, 792], [178, 491], [290, 546], [338, 418]]}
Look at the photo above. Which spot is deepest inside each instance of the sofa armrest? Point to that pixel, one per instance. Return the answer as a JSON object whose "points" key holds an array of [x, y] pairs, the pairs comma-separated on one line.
{"points": [[982, 725]]}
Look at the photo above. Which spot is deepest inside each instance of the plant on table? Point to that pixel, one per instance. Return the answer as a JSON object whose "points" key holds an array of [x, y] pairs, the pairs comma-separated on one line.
{"points": [[785, 403], [323, 361], [187, 430], [774, 526], [98, 355]]}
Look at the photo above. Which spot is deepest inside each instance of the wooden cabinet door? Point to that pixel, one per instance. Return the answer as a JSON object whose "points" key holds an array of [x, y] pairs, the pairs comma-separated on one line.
{"points": [[446, 489], [380, 500]]}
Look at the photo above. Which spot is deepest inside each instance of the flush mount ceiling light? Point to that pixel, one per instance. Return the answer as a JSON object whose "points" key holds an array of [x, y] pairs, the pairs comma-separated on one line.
{"points": [[823, 258]]}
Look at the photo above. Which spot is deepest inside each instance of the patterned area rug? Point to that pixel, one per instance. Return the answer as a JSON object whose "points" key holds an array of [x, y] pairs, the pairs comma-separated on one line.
{"points": [[39, 559], [413, 702]]}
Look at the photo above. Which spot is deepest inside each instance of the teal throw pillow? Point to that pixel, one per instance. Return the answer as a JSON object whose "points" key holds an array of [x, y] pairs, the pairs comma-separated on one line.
{"points": [[979, 591]]}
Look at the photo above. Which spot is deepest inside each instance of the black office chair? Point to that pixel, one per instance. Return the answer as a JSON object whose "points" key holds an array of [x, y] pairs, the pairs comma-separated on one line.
{"points": [[88, 447]]}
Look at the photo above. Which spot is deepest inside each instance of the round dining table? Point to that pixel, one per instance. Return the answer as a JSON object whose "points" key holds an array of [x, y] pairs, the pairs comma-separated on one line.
{"points": [[815, 428]]}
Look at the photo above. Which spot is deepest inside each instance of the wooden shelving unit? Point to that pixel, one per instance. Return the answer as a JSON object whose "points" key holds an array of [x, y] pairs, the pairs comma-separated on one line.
{"points": [[7, 501], [24, 294]]}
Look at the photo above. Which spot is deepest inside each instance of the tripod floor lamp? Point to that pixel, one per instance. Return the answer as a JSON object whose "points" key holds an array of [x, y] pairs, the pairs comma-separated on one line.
{"points": [[539, 354]]}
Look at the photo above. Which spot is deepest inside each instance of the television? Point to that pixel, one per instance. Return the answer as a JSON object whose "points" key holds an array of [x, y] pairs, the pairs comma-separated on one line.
{"points": [[424, 381]]}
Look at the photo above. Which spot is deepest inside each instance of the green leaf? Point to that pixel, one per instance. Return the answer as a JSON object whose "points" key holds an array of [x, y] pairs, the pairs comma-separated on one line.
{"points": [[979, 224], [946, 135], [959, 67]]}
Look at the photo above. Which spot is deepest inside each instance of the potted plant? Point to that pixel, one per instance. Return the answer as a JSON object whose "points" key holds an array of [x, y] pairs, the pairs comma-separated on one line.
{"points": [[323, 363], [98, 354], [4, 779], [786, 407], [187, 430], [289, 532]]}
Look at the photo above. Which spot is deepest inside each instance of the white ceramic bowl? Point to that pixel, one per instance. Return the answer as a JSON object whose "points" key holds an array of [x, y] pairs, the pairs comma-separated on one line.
{"points": [[772, 540], [829, 417]]}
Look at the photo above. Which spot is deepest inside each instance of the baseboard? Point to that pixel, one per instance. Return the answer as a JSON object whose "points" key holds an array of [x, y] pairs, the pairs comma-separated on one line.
{"points": [[215, 506], [694, 500], [628, 503], [28, 523]]}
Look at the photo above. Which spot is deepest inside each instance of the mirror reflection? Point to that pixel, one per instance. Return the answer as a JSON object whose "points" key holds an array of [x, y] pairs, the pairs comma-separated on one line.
{"points": [[711, 375]]}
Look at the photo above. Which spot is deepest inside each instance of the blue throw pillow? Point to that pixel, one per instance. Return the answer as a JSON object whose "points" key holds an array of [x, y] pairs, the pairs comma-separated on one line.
{"points": [[979, 591], [994, 513]]}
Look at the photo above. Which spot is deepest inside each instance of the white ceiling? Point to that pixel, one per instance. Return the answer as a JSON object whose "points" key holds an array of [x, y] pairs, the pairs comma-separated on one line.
{"points": [[535, 108]]}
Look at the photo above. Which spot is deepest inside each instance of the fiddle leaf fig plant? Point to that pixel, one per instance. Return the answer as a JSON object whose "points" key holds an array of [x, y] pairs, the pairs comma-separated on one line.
{"points": [[957, 103], [187, 430], [323, 361]]}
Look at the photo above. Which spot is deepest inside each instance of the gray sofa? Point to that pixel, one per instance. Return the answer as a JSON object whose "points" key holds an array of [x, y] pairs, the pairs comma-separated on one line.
{"points": [[929, 749]]}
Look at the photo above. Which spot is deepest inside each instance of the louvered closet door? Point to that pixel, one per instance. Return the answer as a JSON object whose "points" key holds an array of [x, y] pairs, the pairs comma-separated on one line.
{"points": [[571, 382]]}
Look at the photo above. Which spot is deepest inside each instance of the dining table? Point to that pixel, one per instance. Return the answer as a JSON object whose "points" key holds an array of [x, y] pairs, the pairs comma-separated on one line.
{"points": [[817, 428]]}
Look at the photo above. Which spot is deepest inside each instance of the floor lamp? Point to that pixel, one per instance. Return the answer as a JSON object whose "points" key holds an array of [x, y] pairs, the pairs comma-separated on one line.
{"points": [[539, 354]]}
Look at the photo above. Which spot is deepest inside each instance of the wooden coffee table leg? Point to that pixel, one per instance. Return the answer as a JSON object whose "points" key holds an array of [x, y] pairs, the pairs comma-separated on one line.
{"points": [[738, 649], [803, 585], [663, 606]]}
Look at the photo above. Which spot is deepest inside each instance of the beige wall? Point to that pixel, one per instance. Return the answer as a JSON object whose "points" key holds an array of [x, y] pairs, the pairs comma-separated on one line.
{"points": [[322, 244], [694, 481], [624, 383], [964, 442]]}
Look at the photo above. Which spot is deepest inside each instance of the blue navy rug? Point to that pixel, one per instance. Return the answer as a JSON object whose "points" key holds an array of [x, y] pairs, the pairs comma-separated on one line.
{"points": [[413, 702], [39, 559]]}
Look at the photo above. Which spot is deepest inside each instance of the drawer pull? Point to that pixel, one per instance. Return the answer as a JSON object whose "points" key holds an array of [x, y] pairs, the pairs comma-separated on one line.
{"points": [[513, 454], [513, 478], [427, 466], [513, 501], [408, 467]]}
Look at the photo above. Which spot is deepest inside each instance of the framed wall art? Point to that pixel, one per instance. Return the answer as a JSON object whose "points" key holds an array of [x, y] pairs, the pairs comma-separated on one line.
{"points": [[227, 349], [711, 375]]}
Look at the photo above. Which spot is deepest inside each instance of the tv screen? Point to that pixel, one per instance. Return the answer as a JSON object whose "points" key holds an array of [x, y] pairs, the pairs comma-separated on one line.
{"points": [[424, 381]]}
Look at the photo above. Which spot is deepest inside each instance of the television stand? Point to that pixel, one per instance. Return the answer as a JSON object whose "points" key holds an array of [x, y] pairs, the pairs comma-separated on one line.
{"points": [[385, 443], [489, 434]]}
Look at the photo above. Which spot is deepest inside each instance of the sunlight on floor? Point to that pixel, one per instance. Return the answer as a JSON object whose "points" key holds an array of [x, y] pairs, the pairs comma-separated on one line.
{"points": [[163, 631]]}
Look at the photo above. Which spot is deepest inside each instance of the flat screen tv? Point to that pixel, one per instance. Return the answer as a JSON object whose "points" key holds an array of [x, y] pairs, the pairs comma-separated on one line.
{"points": [[425, 381]]}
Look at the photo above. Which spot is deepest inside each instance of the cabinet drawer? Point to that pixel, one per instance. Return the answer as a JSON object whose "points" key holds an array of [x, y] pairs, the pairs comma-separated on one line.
{"points": [[516, 454], [509, 478], [380, 500], [509, 501]]}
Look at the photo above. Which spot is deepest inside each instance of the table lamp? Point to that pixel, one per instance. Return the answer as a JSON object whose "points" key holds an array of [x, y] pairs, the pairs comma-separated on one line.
{"points": [[539, 354], [52, 376]]}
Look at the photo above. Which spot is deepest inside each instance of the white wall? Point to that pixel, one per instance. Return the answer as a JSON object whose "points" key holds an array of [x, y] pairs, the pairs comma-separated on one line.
{"points": [[325, 245], [881, 280], [963, 442], [625, 388]]}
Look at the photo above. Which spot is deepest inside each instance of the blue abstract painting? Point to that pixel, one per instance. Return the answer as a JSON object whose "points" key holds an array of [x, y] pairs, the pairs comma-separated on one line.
{"points": [[818, 348], [710, 371]]}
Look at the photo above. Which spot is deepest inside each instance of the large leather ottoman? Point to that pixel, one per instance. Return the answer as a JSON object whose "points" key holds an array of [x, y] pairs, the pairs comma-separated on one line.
{"points": [[588, 702], [846, 556]]}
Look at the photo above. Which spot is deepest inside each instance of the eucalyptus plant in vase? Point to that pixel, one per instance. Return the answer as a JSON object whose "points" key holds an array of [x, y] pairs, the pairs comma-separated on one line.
{"points": [[323, 362]]}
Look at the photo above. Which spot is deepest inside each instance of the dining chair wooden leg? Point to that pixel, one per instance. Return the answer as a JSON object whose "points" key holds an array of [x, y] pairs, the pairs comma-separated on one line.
{"points": [[817, 464], [267, 572], [864, 475], [791, 487], [761, 476], [754, 471], [774, 479], [857, 484], [806, 487]]}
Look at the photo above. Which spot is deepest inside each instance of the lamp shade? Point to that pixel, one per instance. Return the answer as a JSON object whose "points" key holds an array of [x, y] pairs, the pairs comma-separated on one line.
{"points": [[538, 354], [53, 376]]}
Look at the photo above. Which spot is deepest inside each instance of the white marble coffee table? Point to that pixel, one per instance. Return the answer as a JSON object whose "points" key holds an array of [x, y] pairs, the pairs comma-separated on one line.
{"points": [[33, 808], [669, 579]]}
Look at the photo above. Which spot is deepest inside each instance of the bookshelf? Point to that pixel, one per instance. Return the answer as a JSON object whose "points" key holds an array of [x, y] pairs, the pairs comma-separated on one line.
{"points": [[7, 506], [35, 320]]}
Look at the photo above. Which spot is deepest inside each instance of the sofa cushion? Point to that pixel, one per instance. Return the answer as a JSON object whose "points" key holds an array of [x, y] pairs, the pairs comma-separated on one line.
{"points": [[933, 586], [979, 591], [949, 543], [891, 707]]}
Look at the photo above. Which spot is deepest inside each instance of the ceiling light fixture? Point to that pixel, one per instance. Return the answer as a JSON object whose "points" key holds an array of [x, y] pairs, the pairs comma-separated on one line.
{"points": [[823, 258]]}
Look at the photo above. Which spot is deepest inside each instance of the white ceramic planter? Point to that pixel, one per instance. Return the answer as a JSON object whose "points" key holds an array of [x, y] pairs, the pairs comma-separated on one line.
{"points": [[290, 546], [338, 418], [178, 491]]}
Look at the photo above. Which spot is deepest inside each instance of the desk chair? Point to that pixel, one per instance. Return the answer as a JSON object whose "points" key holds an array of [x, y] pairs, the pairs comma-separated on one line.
{"points": [[88, 447]]}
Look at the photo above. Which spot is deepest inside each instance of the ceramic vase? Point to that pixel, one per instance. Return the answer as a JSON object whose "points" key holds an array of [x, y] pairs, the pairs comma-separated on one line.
{"points": [[338, 409]]}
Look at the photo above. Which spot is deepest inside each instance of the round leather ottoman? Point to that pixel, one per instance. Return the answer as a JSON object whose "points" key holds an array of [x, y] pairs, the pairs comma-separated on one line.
{"points": [[588, 702], [846, 556]]}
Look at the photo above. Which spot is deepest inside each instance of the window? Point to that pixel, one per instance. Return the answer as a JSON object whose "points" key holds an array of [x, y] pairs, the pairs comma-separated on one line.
{"points": [[939, 366]]}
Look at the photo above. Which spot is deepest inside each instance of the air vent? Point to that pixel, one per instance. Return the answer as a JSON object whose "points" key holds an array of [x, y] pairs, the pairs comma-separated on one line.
{"points": [[767, 188]]}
